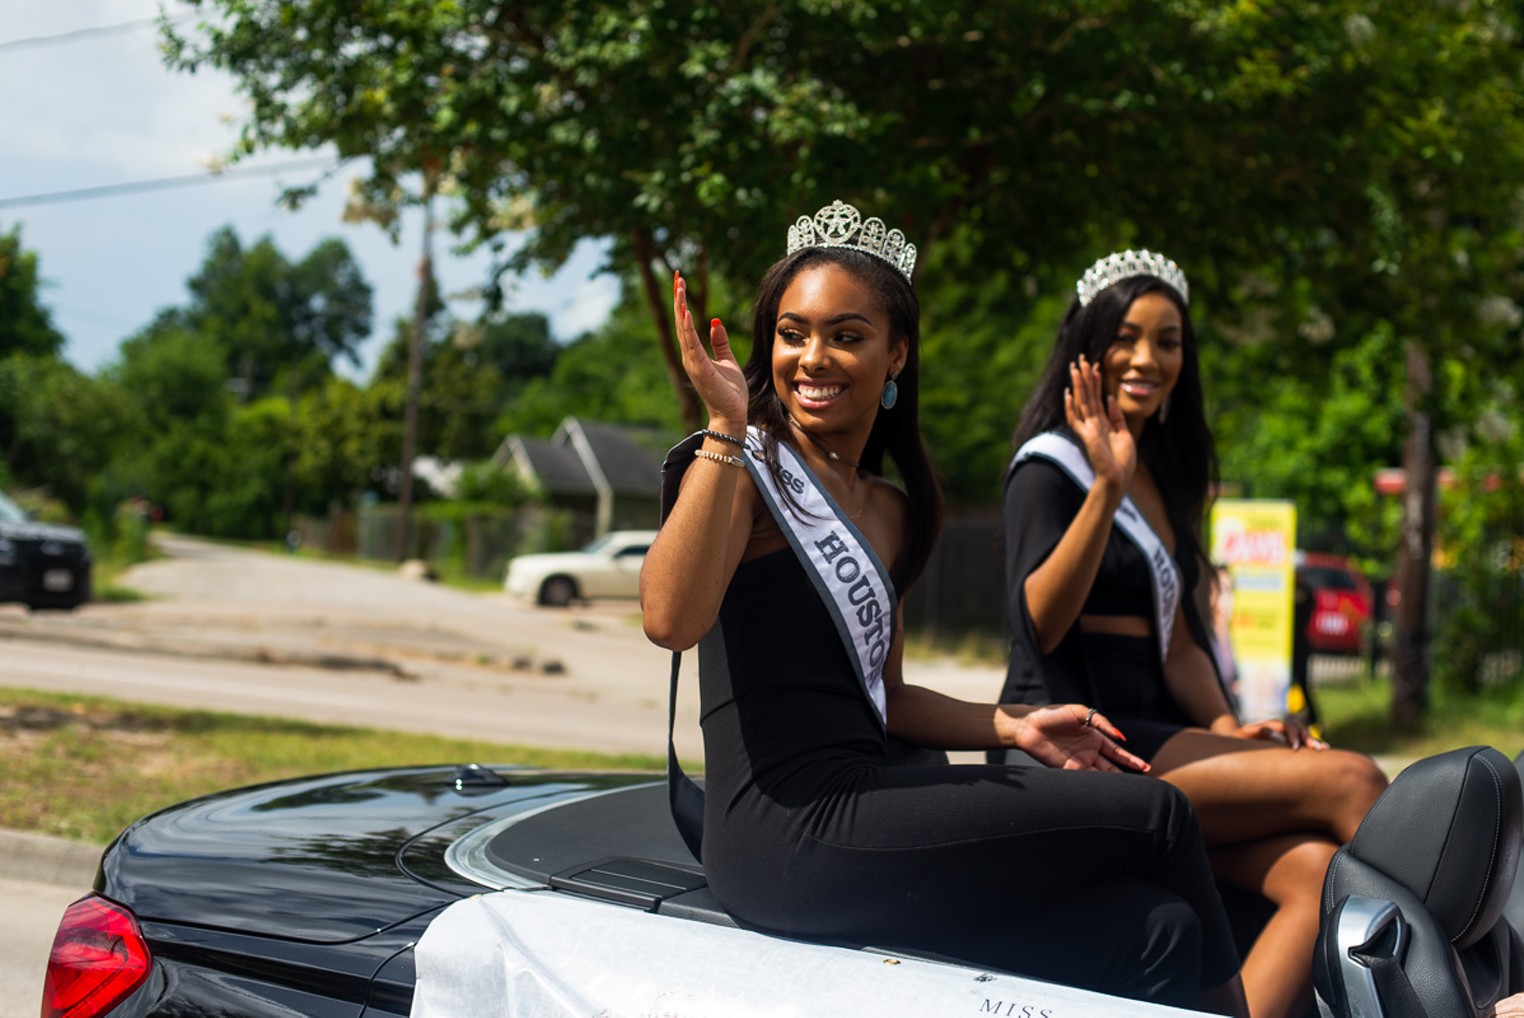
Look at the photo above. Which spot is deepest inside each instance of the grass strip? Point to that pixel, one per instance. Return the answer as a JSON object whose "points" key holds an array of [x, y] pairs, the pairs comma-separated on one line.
{"points": [[85, 767], [1358, 716]]}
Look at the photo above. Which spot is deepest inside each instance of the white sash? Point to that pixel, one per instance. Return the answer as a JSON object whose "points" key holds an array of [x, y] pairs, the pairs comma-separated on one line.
{"points": [[846, 571], [1055, 448]]}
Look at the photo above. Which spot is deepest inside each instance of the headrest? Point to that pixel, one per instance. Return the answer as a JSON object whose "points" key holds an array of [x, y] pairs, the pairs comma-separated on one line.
{"points": [[1448, 829]]}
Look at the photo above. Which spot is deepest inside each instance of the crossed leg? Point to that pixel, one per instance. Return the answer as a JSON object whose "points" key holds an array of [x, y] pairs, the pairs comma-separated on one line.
{"points": [[1288, 871], [1272, 819]]}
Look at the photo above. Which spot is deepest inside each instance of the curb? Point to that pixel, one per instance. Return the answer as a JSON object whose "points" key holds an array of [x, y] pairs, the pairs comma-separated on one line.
{"points": [[45, 859]]}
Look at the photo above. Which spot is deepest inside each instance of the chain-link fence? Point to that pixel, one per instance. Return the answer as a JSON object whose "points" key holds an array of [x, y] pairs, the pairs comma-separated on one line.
{"points": [[471, 541]]}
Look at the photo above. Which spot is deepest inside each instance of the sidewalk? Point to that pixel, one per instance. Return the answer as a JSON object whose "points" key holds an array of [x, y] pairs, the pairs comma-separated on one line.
{"points": [[44, 859]]}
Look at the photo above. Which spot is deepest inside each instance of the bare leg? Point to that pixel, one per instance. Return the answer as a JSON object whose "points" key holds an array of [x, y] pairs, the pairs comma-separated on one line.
{"points": [[1289, 871], [1272, 819], [1248, 789]]}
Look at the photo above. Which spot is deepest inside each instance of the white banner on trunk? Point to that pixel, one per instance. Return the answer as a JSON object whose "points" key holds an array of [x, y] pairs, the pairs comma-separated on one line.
{"points": [[541, 954]]}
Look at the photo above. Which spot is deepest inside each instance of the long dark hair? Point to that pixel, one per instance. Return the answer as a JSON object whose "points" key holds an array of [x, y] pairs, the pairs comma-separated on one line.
{"points": [[1179, 452], [895, 432]]}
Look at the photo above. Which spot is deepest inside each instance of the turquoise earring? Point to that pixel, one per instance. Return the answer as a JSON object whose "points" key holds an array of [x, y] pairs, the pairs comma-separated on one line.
{"points": [[891, 394]]}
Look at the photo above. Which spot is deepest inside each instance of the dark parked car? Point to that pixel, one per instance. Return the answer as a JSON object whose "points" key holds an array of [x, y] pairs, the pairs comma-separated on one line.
{"points": [[306, 897], [42, 565]]}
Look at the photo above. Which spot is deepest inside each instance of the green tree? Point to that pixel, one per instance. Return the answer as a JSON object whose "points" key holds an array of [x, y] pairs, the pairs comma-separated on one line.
{"points": [[278, 323], [469, 372], [66, 431], [1315, 440], [607, 374], [1481, 540], [519, 345], [176, 376], [26, 326], [226, 477], [459, 395], [217, 467], [1040, 125], [341, 437]]}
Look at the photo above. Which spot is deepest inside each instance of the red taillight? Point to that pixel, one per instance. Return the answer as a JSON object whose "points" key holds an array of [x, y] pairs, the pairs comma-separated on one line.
{"points": [[99, 957]]}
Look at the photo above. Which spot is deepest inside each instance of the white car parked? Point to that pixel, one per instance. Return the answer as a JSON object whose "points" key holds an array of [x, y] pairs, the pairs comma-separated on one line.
{"points": [[608, 567]]}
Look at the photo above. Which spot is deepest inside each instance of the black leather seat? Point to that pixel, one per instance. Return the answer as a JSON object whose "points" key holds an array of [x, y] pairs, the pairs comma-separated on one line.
{"points": [[1413, 907], [1514, 910]]}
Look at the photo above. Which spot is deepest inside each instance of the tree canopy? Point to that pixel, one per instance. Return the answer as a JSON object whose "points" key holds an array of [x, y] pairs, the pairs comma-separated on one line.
{"points": [[1250, 141], [26, 326], [277, 323]]}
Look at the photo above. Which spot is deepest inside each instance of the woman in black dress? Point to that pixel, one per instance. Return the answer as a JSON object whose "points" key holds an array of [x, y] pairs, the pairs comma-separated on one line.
{"points": [[1104, 503], [784, 558]]}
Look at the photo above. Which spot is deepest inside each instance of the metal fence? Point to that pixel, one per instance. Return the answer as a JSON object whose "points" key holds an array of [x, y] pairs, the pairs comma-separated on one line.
{"points": [[476, 543], [963, 587]]}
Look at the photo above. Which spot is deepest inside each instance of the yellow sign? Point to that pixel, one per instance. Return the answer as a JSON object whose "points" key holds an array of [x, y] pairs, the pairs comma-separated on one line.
{"points": [[1254, 540]]}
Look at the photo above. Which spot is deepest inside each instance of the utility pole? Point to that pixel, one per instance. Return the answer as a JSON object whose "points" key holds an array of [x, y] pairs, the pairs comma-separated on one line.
{"points": [[415, 374]]}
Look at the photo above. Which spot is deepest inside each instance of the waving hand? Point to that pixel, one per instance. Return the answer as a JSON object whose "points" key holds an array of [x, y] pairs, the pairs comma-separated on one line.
{"points": [[718, 380], [1099, 423]]}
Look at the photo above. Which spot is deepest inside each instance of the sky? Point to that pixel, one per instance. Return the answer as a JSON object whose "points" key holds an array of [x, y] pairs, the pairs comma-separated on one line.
{"points": [[104, 110]]}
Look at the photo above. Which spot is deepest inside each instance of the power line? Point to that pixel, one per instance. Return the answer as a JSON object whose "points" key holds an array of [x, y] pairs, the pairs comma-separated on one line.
{"points": [[82, 34], [166, 183], [91, 316]]}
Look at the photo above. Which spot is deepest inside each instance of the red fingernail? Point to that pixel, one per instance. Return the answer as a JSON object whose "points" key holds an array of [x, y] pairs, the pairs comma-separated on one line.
{"points": [[714, 324], [1116, 733]]}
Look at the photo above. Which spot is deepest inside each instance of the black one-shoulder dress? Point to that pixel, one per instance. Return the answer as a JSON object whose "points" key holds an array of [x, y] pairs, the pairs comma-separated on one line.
{"points": [[1095, 880]]}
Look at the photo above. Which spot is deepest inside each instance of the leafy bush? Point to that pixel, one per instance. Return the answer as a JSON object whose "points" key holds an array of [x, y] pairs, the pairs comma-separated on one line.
{"points": [[1481, 546]]}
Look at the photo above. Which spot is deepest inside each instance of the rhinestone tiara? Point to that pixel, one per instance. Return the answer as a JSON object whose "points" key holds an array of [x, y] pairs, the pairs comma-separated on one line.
{"points": [[1124, 265], [841, 225]]}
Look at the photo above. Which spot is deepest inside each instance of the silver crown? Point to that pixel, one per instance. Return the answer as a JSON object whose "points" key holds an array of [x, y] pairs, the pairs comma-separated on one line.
{"points": [[841, 225], [1124, 265]]}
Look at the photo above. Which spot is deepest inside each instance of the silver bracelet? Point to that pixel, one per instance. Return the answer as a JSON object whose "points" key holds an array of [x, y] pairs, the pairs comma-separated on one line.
{"points": [[734, 461]]}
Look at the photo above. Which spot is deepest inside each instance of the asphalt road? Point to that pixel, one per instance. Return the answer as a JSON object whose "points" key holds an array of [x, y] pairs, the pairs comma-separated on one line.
{"points": [[257, 633], [250, 632]]}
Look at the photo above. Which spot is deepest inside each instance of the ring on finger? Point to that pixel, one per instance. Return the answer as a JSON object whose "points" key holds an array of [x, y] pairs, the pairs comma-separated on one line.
{"points": [[1090, 717]]}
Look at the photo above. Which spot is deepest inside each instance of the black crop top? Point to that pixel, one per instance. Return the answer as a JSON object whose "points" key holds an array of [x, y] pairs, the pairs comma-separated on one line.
{"points": [[1041, 502]]}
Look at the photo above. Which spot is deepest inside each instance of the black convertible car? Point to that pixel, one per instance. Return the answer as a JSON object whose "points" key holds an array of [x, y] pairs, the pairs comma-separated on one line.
{"points": [[307, 897]]}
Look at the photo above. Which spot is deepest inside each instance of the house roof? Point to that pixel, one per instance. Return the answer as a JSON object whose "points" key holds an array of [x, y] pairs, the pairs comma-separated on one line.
{"points": [[627, 467], [557, 468], [582, 455]]}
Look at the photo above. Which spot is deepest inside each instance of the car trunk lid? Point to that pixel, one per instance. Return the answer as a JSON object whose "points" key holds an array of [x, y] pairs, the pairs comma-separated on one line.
{"points": [[316, 859]]}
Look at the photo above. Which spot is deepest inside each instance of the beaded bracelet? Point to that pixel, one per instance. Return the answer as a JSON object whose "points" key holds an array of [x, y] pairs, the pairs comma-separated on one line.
{"points": [[734, 461], [722, 436]]}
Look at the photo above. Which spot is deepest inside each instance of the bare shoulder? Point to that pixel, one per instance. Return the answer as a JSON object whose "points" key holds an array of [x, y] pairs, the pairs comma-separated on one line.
{"points": [[890, 502], [889, 516], [762, 533]]}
